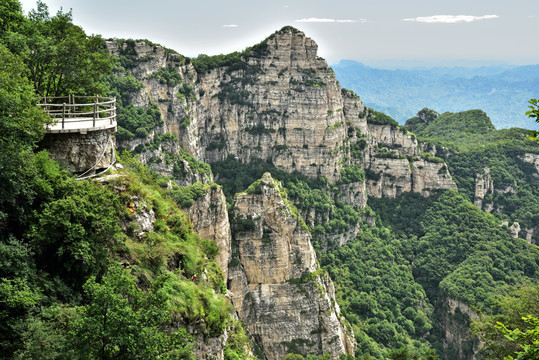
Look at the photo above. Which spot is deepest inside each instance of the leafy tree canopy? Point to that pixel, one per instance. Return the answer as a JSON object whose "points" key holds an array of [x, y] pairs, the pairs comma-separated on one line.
{"points": [[534, 114], [21, 127], [513, 332], [60, 58]]}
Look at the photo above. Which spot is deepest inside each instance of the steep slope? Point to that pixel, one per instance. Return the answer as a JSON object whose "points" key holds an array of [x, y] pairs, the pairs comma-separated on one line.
{"points": [[286, 302], [276, 106], [463, 258], [113, 268], [496, 169]]}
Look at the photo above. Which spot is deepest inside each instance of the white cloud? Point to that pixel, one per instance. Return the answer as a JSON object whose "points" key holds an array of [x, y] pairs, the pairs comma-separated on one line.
{"points": [[285, 6], [450, 19], [230, 26], [324, 20]]}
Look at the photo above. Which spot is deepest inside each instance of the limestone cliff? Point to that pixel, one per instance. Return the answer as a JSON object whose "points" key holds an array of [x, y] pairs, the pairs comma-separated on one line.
{"points": [[280, 102], [530, 233], [532, 159], [210, 220], [141, 221], [395, 164], [454, 320], [483, 186], [286, 302]]}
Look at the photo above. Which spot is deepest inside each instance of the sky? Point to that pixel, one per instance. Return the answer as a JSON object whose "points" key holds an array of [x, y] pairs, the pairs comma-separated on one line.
{"points": [[382, 33]]}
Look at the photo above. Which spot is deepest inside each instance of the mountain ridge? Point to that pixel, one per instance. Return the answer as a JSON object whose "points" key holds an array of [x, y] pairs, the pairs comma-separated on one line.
{"points": [[501, 93]]}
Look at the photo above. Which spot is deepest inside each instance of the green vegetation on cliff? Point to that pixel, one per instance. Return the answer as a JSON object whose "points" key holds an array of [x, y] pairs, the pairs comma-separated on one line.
{"points": [[513, 329], [377, 292], [236, 60], [306, 193], [61, 275], [458, 250], [468, 143], [82, 275]]}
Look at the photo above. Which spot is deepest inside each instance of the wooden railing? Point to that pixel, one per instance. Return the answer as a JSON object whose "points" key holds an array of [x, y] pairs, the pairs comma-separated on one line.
{"points": [[72, 113]]}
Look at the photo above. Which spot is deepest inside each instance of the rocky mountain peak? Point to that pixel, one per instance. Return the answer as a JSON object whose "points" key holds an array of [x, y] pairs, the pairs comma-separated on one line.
{"points": [[292, 44], [427, 115]]}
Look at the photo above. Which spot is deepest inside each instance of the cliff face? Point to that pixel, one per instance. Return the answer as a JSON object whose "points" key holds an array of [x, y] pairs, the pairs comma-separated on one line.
{"points": [[277, 288], [532, 159], [395, 164], [483, 186], [454, 320], [210, 220], [205, 347], [281, 103]]}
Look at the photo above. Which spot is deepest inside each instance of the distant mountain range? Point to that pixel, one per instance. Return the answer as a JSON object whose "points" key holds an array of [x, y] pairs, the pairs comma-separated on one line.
{"points": [[501, 91]]}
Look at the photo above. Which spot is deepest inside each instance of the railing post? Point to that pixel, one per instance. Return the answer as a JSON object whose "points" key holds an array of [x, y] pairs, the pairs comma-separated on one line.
{"points": [[95, 109], [113, 110], [63, 115]]}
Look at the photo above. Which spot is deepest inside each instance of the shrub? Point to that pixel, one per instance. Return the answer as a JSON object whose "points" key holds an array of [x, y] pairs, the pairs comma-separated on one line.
{"points": [[141, 133], [185, 196], [167, 75], [378, 118], [351, 173]]}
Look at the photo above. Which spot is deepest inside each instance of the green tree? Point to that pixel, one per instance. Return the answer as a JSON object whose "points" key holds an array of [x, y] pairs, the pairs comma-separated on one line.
{"points": [[534, 114], [528, 340], [74, 231], [21, 127], [292, 356], [10, 15], [121, 321], [61, 59], [514, 330]]}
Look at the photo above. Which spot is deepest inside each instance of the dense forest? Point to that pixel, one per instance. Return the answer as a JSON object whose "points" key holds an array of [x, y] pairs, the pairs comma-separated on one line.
{"points": [[81, 279]]}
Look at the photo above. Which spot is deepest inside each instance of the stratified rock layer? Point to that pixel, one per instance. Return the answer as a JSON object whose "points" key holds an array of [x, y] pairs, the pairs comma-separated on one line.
{"points": [[454, 321], [279, 102], [277, 288], [483, 186], [210, 220], [81, 153]]}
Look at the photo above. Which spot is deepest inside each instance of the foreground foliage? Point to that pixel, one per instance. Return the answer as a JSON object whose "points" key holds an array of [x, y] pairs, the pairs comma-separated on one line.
{"points": [[514, 330], [60, 58], [79, 276]]}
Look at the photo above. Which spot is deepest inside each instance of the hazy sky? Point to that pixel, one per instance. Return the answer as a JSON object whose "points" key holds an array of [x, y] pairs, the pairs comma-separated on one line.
{"points": [[371, 31]]}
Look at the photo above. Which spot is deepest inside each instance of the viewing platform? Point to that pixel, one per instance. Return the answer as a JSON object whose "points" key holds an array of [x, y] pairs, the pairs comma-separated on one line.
{"points": [[80, 114], [80, 136]]}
